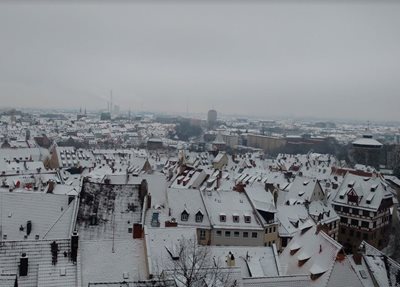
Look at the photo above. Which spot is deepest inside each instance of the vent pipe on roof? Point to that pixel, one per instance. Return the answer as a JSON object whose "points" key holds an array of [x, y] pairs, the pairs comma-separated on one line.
{"points": [[357, 257], [28, 227], [50, 189], [230, 261]]}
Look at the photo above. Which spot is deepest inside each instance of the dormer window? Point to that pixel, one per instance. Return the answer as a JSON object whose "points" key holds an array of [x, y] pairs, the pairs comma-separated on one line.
{"points": [[317, 271], [199, 216], [351, 184], [247, 219], [185, 215], [295, 223], [235, 218], [303, 258], [294, 248], [374, 187], [222, 217]]}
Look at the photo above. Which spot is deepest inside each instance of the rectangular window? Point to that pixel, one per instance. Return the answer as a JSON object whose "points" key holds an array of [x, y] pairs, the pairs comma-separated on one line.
{"points": [[236, 218], [202, 234], [254, 234], [355, 211], [247, 219], [227, 234], [274, 229], [199, 217], [184, 216], [345, 209], [219, 232], [343, 220], [245, 234], [365, 224], [354, 222], [365, 213], [236, 234], [222, 218]]}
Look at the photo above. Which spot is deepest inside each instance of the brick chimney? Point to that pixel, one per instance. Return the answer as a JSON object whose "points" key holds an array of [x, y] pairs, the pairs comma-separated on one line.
{"points": [[357, 257], [51, 184], [239, 187]]}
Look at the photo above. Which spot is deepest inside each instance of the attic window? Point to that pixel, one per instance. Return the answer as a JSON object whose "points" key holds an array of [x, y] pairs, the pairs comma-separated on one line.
{"points": [[247, 219], [222, 217], [301, 193], [184, 215], [303, 258], [351, 183], [316, 276], [294, 248], [370, 198], [374, 187], [199, 216], [317, 271], [305, 182], [295, 223], [235, 218]]}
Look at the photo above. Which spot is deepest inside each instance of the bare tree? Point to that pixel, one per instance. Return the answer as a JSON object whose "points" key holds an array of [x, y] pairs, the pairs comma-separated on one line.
{"points": [[193, 265]]}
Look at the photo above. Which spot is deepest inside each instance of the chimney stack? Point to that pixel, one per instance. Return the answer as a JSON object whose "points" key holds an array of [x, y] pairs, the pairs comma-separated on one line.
{"points": [[23, 265], [357, 257], [74, 246], [28, 227], [51, 186]]}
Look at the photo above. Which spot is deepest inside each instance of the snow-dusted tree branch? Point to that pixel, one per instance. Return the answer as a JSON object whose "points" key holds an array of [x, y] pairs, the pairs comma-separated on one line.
{"points": [[192, 265]]}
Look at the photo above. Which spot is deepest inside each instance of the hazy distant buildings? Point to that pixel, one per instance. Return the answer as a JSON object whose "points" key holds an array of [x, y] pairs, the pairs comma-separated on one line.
{"points": [[266, 143], [106, 116], [366, 150], [154, 143], [212, 118]]}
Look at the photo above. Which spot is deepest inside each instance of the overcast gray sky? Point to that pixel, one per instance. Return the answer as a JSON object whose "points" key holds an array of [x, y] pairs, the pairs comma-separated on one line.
{"points": [[335, 60]]}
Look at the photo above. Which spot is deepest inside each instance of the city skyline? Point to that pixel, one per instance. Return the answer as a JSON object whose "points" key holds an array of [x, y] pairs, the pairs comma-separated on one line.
{"points": [[262, 59]]}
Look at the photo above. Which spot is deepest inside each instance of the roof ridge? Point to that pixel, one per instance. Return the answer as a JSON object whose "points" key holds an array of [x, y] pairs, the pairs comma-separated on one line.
{"points": [[331, 240], [58, 219]]}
